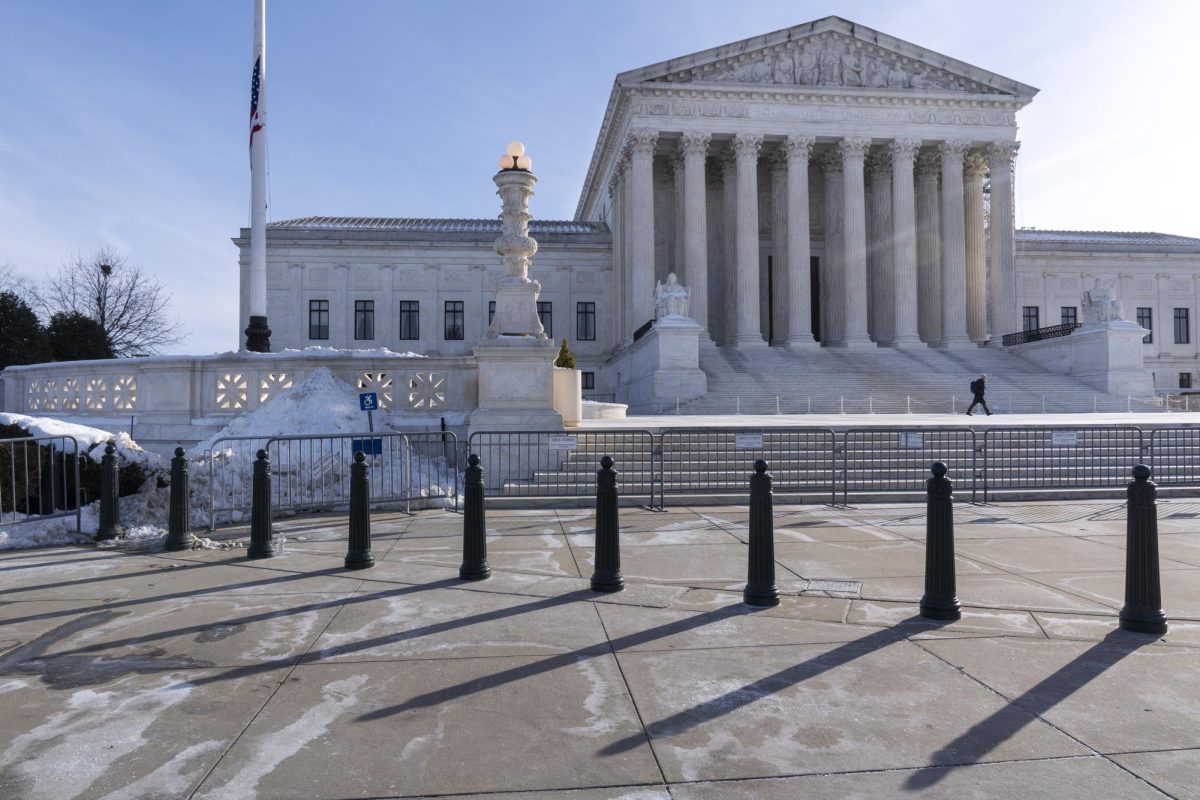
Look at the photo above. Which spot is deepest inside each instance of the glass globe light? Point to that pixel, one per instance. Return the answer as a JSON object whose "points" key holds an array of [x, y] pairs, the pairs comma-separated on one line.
{"points": [[525, 163], [515, 149], [506, 162]]}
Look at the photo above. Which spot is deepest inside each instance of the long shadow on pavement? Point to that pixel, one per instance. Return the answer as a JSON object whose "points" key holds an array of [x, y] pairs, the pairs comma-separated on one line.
{"points": [[985, 736]]}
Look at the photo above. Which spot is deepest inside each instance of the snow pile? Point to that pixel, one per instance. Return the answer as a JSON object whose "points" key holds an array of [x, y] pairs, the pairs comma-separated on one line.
{"points": [[92, 440], [141, 514], [311, 474]]}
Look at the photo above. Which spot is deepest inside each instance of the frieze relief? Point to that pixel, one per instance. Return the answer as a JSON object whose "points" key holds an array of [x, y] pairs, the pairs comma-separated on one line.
{"points": [[989, 117], [830, 60]]}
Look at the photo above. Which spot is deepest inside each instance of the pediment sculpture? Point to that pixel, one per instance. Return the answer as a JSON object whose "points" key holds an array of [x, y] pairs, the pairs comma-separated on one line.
{"points": [[1100, 303], [671, 298], [834, 61]]}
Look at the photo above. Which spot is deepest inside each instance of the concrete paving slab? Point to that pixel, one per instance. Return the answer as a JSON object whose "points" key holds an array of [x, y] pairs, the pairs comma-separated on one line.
{"points": [[734, 625], [439, 727], [807, 607], [717, 714], [1051, 779], [548, 538], [539, 561], [408, 623], [1095, 628], [1119, 695], [639, 521], [1176, 772], [1178, 547], [610, 793], [861, 560], [1180, 589], [691, 565], [789, 531], [134, 736], [974, 620], [585, 536], [24, 621], [1049, 555]]}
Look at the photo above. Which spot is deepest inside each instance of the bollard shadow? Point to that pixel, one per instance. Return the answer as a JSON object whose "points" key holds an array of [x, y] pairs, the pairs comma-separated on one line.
{"points": [[762, 688], [163, 570], [985, 736]]}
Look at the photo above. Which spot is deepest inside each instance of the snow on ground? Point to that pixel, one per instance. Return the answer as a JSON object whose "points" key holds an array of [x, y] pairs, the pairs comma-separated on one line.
{"points": [[91, 440], [330, 352]]}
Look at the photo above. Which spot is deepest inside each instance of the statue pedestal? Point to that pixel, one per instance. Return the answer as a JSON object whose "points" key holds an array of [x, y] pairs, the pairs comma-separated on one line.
{"points": [[662, 367], [1106, 355], [516, 385]]}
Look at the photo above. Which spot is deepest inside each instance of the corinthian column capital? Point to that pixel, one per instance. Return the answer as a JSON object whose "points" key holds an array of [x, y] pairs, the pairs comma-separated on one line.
{"points": [[694, 144], [854, 147], [904, 148], [975, 164], [879, 164], [799, 146], [641, 141], [831, 162], [747, 145], [778, 162], [953, 149], [929, 163], [1002, 152]]}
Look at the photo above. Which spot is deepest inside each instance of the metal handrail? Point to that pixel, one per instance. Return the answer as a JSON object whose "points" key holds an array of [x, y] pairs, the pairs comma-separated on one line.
{"points": [[1038, 334]]}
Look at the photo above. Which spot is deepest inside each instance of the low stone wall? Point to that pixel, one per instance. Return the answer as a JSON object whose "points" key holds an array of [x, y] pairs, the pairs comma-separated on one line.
{"points": [[186, 398]]}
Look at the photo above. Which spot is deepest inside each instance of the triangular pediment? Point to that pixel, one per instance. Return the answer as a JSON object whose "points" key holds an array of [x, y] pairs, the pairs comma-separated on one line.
{"points": [[830, 53]]}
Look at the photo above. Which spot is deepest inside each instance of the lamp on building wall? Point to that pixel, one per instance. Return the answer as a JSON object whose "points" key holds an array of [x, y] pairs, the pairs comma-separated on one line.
{"points": [[514, 158]]}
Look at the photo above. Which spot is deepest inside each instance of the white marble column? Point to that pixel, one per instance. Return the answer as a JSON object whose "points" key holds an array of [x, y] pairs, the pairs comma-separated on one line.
{"points": [[904, 245], [695, 224], [854, 238], [615, 222], [929, 248], [1005, 315], [975, 167], [728, 315], [677, 202], [954, 247], [641, 210], [779, 277], [833, 285], [880, 273], [799, 249], [749, 331]]}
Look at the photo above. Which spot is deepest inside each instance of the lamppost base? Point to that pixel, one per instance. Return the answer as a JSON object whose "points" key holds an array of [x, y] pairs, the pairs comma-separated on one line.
{"points": [[1154, 622], [474, 572], [608, 583], [761, 596], [941, 609], [258, 335]]}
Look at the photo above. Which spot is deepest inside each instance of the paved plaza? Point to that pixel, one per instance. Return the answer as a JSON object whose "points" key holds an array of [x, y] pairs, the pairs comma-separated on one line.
{"points": [[134, 673]]}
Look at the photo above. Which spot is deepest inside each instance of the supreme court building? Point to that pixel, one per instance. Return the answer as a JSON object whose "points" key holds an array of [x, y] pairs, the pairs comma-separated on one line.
{"points": [[823, 186]]}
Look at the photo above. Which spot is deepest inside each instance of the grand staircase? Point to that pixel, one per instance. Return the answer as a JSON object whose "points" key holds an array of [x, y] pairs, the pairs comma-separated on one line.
{"points": [[886, 380]]}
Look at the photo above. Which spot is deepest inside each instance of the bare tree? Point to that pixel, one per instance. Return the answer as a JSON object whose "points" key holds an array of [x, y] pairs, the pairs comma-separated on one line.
{"points": [[128, 303], [11, 281]]}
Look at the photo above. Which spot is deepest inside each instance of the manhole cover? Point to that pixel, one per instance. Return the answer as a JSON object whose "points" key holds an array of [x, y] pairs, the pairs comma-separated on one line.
{"points": [[841, 587]]}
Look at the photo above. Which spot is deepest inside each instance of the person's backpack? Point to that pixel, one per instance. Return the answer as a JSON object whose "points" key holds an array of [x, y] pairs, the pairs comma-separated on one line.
{"points": [[977, 386]]}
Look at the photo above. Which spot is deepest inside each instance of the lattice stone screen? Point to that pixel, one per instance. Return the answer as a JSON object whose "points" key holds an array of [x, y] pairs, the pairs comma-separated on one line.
{"points": [[124, 393], [378, 382], [231, 391], [70, 394], [427, 391], [272, 384], [96, 394]]}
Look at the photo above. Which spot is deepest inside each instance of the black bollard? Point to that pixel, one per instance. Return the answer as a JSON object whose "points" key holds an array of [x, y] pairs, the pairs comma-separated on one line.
{"points": [[359, 556], [110, 518], [261, 545], [179, 523], [607, 575], [1143, 611], [474, 564], [760, 581], [941, 595]]}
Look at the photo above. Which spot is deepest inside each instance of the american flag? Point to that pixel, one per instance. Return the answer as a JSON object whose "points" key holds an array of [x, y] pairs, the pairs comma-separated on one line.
{"points": [[255, 125]]}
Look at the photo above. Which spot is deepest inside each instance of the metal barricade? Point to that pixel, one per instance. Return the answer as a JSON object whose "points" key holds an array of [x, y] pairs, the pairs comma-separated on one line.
{"points": [[697, 461], [542, 464], [883, 461], [312, 473], [230, 464], [1174, 455], [41, 480], [1057, 458]]}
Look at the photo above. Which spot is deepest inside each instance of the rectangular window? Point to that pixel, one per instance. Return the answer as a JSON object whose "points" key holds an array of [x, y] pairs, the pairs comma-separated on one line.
{"points": [[1145, 318], [589, 380], [546, 316], [454, 320], [491, 312], [364, 319], [1183, 334], [1185, 380], [410, 319], [1029, 318], [1070, 315], [318, 319], [585, 322]]}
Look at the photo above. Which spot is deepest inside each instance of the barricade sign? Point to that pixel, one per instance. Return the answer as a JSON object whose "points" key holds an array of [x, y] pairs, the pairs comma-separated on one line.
{"points": [[1064, 438], [368, 447], [748, 441]]}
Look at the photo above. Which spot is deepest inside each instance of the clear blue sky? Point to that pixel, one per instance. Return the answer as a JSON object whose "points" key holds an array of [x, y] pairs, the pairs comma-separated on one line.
{"points": [[123, 122]]}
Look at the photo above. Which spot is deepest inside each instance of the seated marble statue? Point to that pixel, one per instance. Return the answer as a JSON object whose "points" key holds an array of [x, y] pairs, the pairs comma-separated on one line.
{"points": [[1100, 304], [670, 298]]}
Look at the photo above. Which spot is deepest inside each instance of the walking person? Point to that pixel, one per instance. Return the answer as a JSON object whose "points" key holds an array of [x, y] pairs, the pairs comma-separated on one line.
{"points": [[978, 387]]}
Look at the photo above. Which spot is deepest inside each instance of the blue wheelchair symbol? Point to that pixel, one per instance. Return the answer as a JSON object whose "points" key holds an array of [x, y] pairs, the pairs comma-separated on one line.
{"points": [[368, 401]]}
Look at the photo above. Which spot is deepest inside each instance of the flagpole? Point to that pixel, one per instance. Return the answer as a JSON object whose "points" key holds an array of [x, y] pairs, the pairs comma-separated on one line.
{"points": [[258, 335]]}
